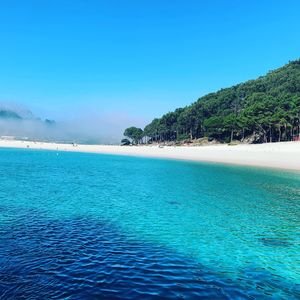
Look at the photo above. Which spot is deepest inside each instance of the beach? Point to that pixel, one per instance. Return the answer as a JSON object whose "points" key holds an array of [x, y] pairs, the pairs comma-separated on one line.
{"points": [[283, 155]]}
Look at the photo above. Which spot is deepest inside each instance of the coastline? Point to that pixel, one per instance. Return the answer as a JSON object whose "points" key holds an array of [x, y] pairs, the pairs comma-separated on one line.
{"points": [[283, 155]]}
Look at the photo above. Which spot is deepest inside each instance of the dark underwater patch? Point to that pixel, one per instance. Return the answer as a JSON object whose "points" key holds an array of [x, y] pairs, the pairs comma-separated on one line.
{"points": [[82, 258], [173, 202], [275, 242]]}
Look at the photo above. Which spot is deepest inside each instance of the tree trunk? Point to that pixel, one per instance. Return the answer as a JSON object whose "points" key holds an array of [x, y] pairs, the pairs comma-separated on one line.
{"points": [[285, 131], [265, 138]]}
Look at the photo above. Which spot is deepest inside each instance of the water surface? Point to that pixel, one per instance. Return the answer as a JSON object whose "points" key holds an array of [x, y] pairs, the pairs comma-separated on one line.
{"points": [[88, 226]]}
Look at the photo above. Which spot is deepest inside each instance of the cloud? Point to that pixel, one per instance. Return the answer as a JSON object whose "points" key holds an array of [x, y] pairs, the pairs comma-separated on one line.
{"points": [[88, 126]]}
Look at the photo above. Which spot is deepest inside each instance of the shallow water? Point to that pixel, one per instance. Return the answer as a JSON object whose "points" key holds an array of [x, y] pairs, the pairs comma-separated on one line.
{"points": [[87, 226]]}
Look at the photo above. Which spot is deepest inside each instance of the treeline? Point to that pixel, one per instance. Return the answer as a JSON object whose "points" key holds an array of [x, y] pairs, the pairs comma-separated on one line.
{"points": [[263, 110]]}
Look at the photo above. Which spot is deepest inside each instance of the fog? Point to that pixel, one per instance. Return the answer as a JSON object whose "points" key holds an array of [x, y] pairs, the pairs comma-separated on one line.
{"points": [[86, 127]]}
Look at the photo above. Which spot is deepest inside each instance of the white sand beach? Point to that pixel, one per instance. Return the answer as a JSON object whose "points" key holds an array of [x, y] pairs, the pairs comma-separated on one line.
{"points": [[284, 155]]}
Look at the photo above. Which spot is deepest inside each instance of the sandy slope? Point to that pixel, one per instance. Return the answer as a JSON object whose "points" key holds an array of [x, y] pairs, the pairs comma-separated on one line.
{"points": [[285, 155]]}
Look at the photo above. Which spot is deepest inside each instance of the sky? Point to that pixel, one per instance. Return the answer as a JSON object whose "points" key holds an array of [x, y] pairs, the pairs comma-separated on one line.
{"points": [[126, 62]]}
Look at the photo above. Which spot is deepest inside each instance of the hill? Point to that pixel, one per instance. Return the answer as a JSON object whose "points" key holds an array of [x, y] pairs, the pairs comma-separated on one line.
{"points": [[263, 110], [20, 123], [8, 114], [15, 114]]}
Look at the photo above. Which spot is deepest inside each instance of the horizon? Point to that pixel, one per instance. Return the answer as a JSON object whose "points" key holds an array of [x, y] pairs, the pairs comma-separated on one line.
{"points": [[120, 65]]}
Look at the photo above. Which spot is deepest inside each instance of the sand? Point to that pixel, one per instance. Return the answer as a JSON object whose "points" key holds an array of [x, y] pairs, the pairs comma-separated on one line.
{"points": [[284, 155]]}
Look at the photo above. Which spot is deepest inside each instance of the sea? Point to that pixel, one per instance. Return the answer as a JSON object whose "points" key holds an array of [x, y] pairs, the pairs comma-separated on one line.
{"points": [[93, 226]]}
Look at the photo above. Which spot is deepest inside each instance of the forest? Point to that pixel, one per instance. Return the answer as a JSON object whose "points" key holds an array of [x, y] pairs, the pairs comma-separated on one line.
{"points": [[263, 110]]}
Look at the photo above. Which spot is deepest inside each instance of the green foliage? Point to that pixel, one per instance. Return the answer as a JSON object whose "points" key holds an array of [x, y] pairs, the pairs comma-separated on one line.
{"points": [[125, 142], [134, 133], [266, 109], [182, 137]]}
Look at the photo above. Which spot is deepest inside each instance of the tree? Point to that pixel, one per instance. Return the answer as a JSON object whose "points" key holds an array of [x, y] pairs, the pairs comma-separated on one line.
{"points": [[134, 133], [125, 142], [263, 110]]}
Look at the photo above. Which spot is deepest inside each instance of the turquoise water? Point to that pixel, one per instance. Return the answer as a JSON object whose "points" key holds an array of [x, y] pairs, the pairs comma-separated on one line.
{"points": [[201, 230]]}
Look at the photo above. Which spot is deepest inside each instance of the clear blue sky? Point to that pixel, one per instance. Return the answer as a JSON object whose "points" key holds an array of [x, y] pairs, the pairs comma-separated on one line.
{"points": [[136, 57]]}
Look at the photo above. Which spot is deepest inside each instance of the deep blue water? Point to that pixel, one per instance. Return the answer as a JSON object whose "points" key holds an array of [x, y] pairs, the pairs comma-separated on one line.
{"points": [[87, 226]]}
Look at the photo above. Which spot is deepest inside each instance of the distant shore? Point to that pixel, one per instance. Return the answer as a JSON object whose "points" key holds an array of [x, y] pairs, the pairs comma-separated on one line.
{"points": [[284, 155]]}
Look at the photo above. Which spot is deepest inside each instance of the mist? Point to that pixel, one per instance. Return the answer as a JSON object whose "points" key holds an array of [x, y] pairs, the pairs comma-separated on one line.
{"points": [[87, 127]]}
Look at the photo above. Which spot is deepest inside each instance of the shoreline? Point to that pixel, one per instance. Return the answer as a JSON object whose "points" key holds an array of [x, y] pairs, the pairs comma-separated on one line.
{"points": [[282, 155]]}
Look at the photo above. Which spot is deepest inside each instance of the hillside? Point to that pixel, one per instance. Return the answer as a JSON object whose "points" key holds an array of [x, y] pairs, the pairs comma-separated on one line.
{"points": [[9, 114], [20, 123], [13, 114], [263, 110]]}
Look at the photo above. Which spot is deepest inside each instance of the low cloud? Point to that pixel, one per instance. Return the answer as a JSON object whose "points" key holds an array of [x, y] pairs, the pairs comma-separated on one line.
{"points": [[85, 127]]}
